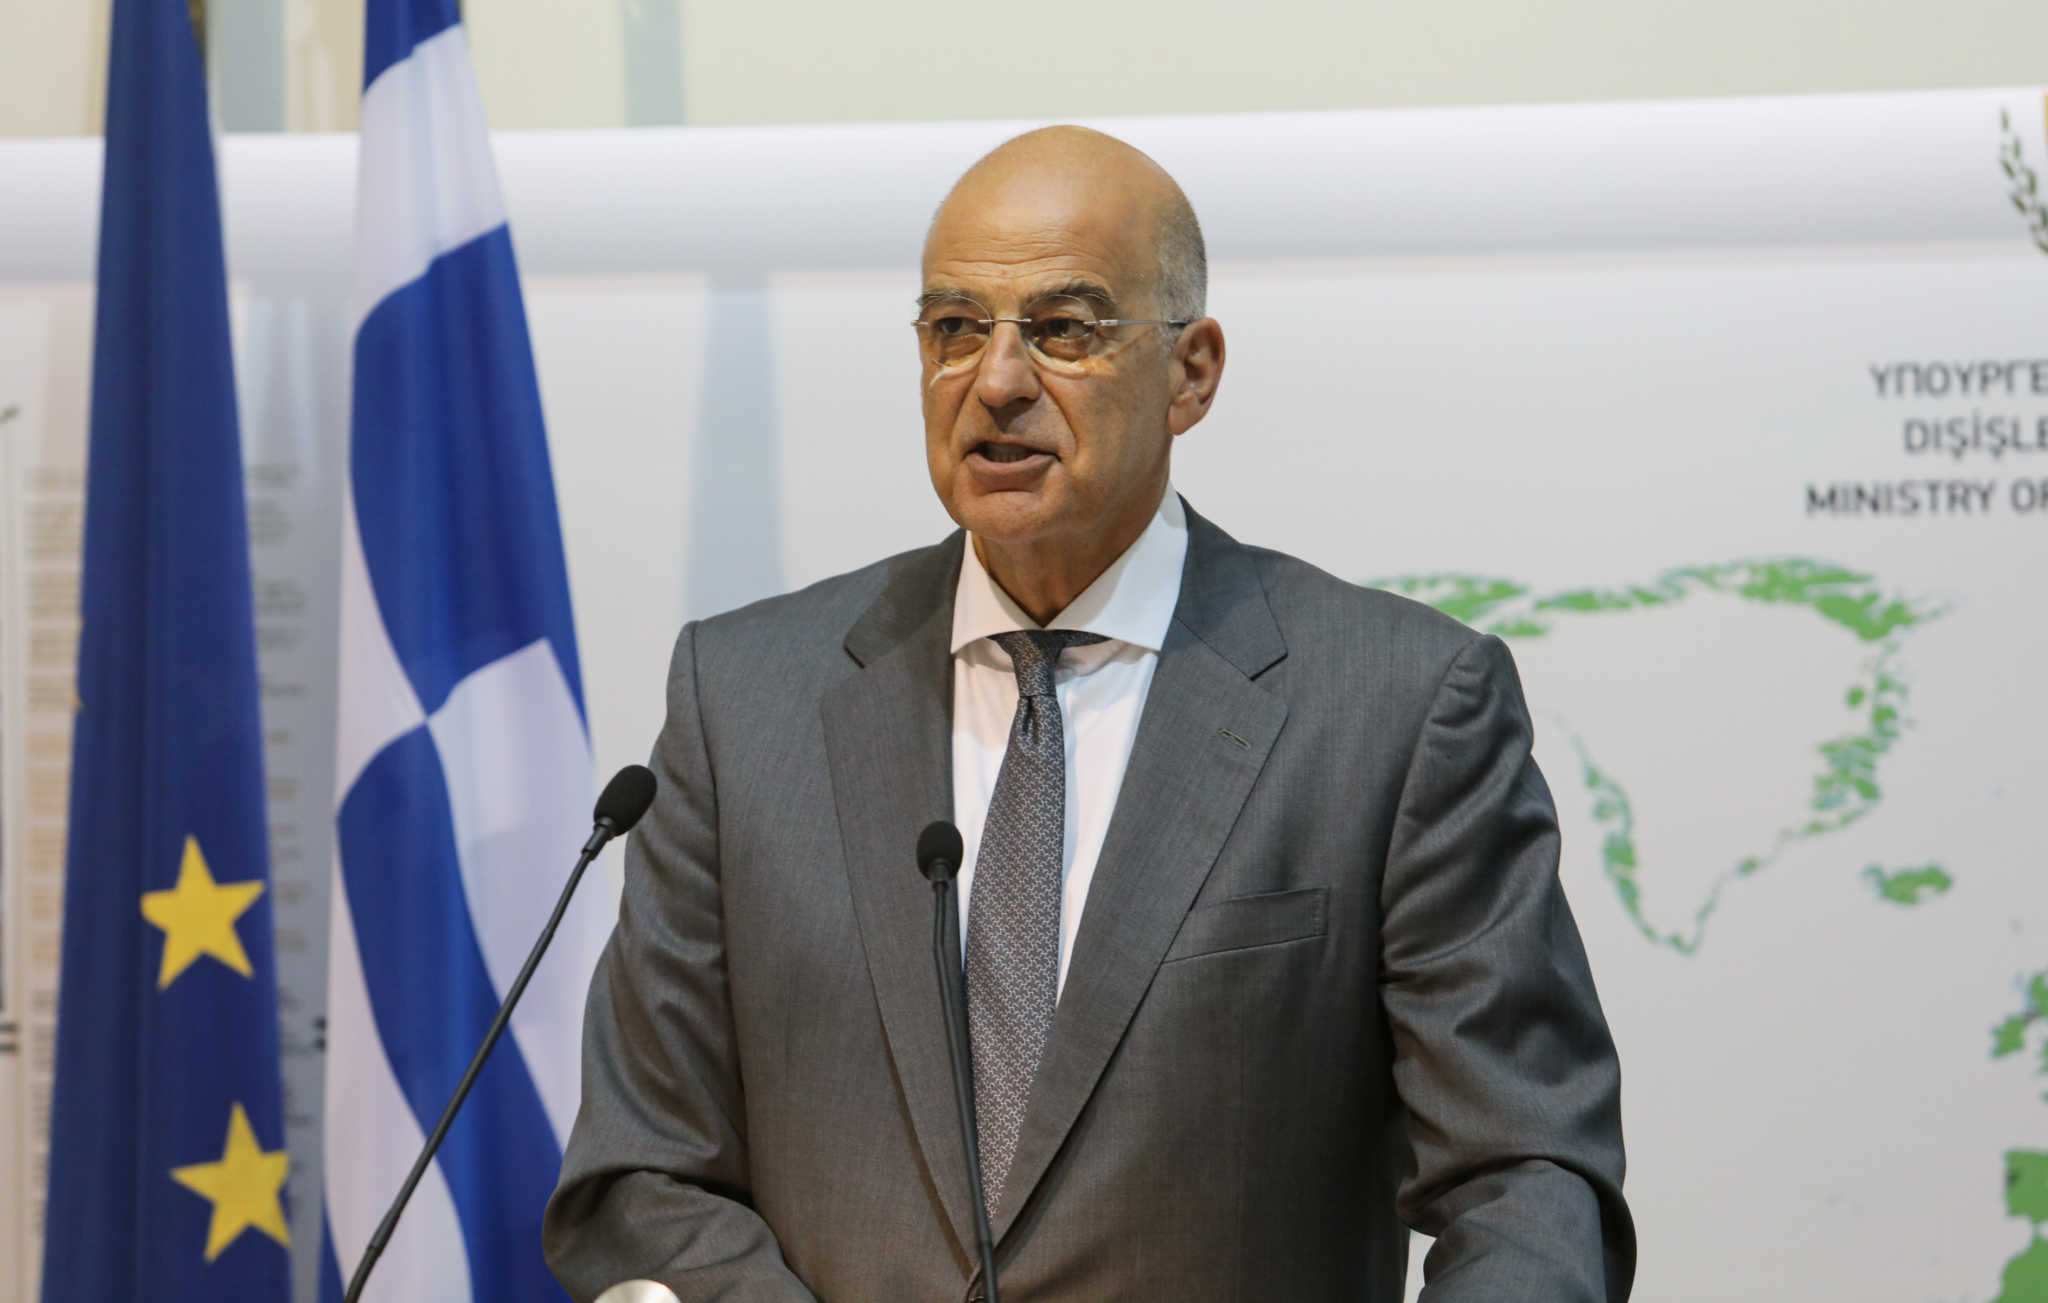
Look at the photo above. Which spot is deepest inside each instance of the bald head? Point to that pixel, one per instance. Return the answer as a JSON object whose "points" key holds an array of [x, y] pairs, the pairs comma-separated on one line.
{"points": [[1057, 170]]}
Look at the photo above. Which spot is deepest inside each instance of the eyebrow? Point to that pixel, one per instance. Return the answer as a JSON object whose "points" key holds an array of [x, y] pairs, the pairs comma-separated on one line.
{"points": [[1079, 289], [1075, 289]]}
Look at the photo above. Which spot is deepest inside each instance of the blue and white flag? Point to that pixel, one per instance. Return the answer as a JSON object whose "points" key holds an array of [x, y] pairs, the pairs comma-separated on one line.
{"points": [[463, 779], [167, 1153]]}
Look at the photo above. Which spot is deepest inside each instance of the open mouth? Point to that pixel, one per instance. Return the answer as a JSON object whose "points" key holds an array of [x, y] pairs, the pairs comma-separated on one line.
{"points": [[1006, 452]]}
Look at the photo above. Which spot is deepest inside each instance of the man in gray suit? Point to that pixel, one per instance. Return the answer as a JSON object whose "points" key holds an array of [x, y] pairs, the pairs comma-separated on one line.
{"points": [[1263, 943]]}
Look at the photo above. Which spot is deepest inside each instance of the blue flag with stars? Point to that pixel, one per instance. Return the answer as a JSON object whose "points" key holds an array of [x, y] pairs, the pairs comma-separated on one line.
{"points": [[167, 1153]]}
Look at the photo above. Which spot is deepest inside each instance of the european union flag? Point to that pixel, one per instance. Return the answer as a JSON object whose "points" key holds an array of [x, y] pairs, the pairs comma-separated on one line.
{"points": [[167, 1154]]}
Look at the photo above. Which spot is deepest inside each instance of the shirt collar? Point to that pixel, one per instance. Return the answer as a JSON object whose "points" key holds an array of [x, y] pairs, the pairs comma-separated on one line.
{"points": [[1131, 602]]}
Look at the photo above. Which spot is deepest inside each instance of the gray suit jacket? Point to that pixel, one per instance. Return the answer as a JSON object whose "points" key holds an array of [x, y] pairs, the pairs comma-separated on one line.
{"points": [[1325, 982]]}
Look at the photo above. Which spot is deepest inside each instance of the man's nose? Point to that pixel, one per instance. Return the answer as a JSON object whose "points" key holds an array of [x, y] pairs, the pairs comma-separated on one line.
{"points": [[1007, 375]]}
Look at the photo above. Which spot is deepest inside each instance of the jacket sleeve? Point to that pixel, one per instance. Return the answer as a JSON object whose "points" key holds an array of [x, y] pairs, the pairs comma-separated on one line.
{"points": [[654, 1181], [1502, 1057]]}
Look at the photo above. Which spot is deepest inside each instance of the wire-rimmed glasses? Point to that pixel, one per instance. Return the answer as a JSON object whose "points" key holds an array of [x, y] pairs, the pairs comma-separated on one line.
{"points": [[1063, 332]]}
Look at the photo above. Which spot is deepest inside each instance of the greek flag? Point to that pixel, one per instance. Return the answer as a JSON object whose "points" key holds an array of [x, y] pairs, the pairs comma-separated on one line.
{"points": [[462, 779]]}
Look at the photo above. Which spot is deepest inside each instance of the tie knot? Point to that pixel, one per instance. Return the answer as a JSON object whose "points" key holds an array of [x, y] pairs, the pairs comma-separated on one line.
{"points": [[1034, 653]]}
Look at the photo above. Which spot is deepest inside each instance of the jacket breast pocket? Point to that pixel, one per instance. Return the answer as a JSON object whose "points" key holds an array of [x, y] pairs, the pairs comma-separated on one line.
{"points": [[1246, 922]]}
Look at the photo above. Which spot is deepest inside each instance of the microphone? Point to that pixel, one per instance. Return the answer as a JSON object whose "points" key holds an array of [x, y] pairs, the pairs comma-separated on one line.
{"points": [[619, 807], [938, 857]]}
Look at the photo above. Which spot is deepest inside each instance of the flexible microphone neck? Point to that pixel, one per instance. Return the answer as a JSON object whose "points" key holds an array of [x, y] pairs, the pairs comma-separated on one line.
{"points": [[938, 857], [619, 807]]}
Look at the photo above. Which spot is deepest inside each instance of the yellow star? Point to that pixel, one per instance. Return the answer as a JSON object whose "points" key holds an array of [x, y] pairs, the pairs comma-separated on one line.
{"points": [[243, 1186], [198, 917]]}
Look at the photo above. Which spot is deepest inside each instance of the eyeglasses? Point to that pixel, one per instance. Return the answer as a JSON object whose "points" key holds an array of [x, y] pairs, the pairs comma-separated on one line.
{"points": [[1063, 333]]}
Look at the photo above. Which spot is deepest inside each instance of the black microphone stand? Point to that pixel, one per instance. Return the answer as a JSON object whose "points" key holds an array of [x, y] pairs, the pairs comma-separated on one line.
{"points": [[944, 955], [609, 825]]}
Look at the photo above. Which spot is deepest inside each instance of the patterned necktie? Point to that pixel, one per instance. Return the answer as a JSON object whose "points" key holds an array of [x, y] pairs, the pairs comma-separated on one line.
{"points": [[1013, 916]]}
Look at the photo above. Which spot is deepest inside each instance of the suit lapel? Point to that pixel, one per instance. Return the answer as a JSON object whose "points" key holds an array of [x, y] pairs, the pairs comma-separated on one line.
{"points": [[1203, 737], [888, 742]]}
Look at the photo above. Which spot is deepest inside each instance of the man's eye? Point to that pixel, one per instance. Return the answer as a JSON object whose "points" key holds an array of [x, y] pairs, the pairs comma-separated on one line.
{"points": [[953, 326], [1062, 328]]}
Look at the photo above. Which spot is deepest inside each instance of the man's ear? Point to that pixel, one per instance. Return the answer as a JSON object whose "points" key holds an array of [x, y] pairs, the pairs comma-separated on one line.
{"points": [[1196, 370]]}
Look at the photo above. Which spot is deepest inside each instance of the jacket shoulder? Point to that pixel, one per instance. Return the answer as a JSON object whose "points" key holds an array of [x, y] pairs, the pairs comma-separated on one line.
{"points": [[1311, 605], [825, 609], [794, 637]]}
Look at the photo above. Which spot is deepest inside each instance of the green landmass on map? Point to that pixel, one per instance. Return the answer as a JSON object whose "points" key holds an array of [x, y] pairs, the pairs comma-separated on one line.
{"points": [[1909, 886], [2009, 1037], [1845, 783], [2025, 1279], [2026, 1171]]}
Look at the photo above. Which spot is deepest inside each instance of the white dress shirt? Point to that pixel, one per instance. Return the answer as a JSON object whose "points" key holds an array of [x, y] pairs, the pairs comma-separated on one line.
{"points": [[1101, 689]]}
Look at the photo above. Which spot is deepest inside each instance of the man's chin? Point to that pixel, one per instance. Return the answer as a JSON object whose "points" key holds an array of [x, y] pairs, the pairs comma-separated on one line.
{"points": [[1006, 515], [1011, 530]]}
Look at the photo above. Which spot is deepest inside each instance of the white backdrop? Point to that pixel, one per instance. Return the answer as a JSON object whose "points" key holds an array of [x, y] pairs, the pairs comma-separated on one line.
{"points": [[1612, 363]]}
